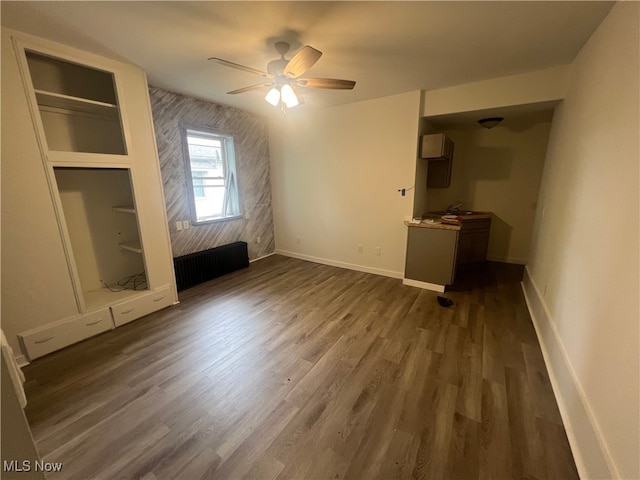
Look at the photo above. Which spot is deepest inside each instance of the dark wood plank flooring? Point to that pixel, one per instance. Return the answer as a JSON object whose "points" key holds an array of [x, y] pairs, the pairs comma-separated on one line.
{"points": [[295, 370]]}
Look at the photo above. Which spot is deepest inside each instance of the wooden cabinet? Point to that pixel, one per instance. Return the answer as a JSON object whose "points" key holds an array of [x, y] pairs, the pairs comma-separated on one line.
{"points": [[435, 253], [439, 173], [436, 146], [473, 241], [431, 255], [81, 181], [437, 149]]}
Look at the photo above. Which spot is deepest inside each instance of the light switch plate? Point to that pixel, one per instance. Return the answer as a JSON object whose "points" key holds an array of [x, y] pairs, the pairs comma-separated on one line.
{"points": [[178, 225], [186, 224]]}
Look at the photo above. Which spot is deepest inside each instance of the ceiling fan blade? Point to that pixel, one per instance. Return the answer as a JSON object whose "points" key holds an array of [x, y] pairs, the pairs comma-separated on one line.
{"points": [[250, 87], [331, 83], [227, 63], [302, 61]]}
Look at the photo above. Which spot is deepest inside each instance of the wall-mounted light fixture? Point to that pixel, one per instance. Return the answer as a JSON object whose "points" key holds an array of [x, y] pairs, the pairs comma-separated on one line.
{"points": [[490, 122]]}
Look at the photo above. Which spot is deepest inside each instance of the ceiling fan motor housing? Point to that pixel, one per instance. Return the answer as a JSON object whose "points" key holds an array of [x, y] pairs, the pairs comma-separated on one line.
{"points": [[276, 67]]}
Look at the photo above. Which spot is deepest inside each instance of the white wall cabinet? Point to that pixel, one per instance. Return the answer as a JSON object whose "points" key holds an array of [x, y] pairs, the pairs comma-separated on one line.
{"points": [[81, 180]]}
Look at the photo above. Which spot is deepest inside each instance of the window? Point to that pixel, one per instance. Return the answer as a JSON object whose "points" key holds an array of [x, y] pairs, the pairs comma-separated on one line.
{"points": [[211, 172]]}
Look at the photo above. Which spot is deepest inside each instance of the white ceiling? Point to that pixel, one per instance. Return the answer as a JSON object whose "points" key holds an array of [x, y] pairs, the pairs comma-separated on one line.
{"points": [[387, 47]]}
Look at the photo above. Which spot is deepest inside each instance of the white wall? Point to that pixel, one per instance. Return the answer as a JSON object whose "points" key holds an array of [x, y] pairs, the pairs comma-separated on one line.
{"points": [[582, 281], [534, 87], [499, 171], [335, 176]]}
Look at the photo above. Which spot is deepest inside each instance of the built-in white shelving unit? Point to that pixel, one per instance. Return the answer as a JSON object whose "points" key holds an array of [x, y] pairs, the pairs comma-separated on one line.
{"points": [[75, 104], [84, 171], [102, 237], [78, 106]]}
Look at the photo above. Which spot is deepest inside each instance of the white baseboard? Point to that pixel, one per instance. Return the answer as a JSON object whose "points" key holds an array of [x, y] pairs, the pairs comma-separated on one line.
{"points": [[434, 287], [262, 257], [590, 451], [348, 266], [513, 260]]}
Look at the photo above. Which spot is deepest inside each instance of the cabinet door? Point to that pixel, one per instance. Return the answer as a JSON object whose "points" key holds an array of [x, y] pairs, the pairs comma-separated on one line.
{"points": [[473, 241], [472, 247], [431, 255], [439, 173]]}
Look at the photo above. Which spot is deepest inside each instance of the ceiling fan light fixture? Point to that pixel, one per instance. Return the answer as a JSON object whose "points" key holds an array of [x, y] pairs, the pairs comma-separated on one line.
{"points": [[273, 96], [285, 75], [289, 96]]}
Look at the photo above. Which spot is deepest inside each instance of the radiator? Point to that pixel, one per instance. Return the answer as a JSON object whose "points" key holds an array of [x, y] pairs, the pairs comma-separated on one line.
{"points": [[199, 267]]}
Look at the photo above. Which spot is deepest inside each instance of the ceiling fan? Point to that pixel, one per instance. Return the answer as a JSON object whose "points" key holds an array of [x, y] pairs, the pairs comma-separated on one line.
{"points": [[285, 76]]}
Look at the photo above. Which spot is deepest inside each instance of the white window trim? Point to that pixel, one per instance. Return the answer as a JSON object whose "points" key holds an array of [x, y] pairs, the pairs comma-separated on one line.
{"points": [[228, 141]]}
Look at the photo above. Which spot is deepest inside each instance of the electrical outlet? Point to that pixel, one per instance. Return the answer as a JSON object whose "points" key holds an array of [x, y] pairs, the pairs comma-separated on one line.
{"points": [[377, 251], [178, 225], [360, 248], [258, 240], [186, 225]]}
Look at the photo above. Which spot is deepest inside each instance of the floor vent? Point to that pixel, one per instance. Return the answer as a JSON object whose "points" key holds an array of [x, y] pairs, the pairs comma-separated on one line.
{"points": [[199, 267]]}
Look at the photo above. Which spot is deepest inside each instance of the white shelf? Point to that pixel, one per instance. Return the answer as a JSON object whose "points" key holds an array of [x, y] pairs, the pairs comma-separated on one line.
{"points": [[124, 209], [76, 104], [131, 246]]}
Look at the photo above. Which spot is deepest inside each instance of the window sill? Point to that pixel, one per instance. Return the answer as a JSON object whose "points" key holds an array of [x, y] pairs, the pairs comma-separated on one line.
{"points": [[217, 220]]}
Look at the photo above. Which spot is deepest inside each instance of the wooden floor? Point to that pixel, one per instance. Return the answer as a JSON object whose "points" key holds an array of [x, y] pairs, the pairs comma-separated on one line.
{"points": [[291, 369]]}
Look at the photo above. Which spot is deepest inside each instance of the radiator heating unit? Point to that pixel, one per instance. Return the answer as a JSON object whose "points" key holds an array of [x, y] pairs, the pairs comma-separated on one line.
{"points": [[199, 267]]}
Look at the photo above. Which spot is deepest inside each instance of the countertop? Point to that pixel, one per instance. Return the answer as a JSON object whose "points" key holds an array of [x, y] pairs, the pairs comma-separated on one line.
{"points": [[434, 220], [436, 224]]}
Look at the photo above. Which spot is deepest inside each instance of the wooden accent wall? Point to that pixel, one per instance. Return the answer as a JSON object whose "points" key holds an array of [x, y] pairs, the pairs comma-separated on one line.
{"points": [[251, 139]]}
